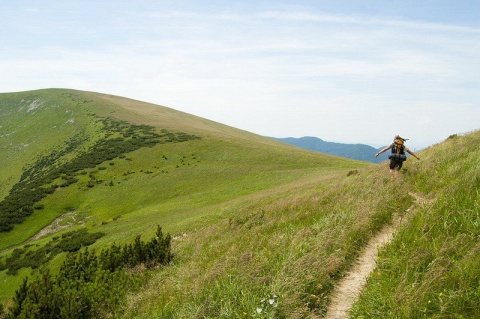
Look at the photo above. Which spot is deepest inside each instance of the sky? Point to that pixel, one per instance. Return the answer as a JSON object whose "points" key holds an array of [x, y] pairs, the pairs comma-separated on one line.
{"points": [[346, 71]]}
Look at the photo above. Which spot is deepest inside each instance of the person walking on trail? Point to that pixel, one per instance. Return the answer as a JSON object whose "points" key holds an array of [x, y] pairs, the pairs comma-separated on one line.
{"points": [[397, 155]]}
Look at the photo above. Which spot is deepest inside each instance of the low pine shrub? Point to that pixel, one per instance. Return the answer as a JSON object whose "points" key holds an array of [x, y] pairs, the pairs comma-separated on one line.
{"points": [[69, 242], [90, 285]]}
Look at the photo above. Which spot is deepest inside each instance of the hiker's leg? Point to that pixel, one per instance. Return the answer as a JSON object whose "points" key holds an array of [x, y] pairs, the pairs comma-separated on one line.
{"points": [[397, 167], [392, 165]]}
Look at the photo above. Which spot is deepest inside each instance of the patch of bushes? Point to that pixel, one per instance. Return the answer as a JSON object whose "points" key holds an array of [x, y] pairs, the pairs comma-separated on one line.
{"points": [[74, 240], [90, 285], [68, 242], [157, 251]]}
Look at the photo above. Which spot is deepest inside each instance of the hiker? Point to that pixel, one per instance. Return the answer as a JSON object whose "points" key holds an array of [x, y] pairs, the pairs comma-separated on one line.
{"points": [[397, 156]]}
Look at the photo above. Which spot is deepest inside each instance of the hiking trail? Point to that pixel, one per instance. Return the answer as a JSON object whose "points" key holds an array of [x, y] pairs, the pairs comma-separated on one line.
{"points": [[60, 223], [348, 288]]}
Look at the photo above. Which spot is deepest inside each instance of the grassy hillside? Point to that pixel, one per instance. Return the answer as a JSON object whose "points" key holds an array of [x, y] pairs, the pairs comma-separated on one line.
{"points": [[180, 184], [32, 123], [264, 230], [279, 256], [432, 268]]}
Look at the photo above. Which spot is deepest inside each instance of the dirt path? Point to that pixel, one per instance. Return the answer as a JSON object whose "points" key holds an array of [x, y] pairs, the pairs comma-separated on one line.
{"points": [[56, 225], [348, 289]]}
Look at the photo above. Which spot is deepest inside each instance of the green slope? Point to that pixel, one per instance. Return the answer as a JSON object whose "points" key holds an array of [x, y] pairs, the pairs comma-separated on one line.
{"points": [[180, 184], [432, 268], [296, 242], [262, 229], [32, 123]]}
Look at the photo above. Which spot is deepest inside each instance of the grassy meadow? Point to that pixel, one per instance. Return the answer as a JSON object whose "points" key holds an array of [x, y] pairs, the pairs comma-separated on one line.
{"points": [[260, 229], [280, 255], [180, 186], [29, 126], [432, 268]]}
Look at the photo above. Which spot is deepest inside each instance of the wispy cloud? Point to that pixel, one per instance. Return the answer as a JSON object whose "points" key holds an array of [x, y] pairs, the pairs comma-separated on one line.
{"points": [[364, 20]]}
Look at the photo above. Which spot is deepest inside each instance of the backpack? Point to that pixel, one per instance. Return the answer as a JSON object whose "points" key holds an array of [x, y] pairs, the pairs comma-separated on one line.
{"points": [[398, 150], [398, 146]]}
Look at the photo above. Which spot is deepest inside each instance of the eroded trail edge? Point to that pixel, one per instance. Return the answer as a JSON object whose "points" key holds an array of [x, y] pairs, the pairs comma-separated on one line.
{"points": [[348, 288]]}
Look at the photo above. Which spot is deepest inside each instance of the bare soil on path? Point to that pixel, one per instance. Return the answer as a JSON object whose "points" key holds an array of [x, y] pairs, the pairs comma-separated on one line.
{"points": [[56, 225], [348, 288]]}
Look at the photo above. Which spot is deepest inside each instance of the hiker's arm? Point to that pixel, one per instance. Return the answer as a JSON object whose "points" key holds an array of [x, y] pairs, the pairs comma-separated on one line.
{"points": [[384, 150], [413, 154]]}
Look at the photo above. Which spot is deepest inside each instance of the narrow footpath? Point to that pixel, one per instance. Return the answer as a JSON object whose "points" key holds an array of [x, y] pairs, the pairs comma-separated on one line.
{"points": [[348, 288]]}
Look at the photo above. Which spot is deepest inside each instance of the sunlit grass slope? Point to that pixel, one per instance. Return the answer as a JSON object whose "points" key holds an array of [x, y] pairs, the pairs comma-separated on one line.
{"points": [[279, 253], [261, 229], [432, 269], [32, 123], [185, 186], [293, 241]]}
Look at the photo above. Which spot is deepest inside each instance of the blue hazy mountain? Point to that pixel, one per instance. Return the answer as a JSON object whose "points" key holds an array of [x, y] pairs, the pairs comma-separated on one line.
{"points": [[360, 152]]}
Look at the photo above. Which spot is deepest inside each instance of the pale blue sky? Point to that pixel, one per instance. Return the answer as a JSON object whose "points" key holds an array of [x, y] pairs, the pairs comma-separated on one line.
{"points": [[344, 71]]}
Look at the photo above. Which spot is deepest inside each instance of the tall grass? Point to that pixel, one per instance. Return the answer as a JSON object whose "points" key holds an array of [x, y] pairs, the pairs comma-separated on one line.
{"points": [[184, 187], [432, 268], [297, 242], [293, 243]]}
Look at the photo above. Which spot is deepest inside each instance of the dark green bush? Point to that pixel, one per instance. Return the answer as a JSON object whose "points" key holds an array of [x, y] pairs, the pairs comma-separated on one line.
{"points": [[89, 285], [69, 242]]}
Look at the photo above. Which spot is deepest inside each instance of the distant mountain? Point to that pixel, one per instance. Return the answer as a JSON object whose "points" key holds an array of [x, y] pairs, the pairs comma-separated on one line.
{"points": [[360, 152]]}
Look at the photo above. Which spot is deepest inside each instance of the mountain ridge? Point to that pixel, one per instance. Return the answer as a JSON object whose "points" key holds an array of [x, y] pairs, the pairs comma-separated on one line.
{"points": [[358, 151]]}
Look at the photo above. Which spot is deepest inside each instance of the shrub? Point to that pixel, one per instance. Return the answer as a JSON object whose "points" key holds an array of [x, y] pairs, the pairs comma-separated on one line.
{"points": [[88, 285], [69, 242]]}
